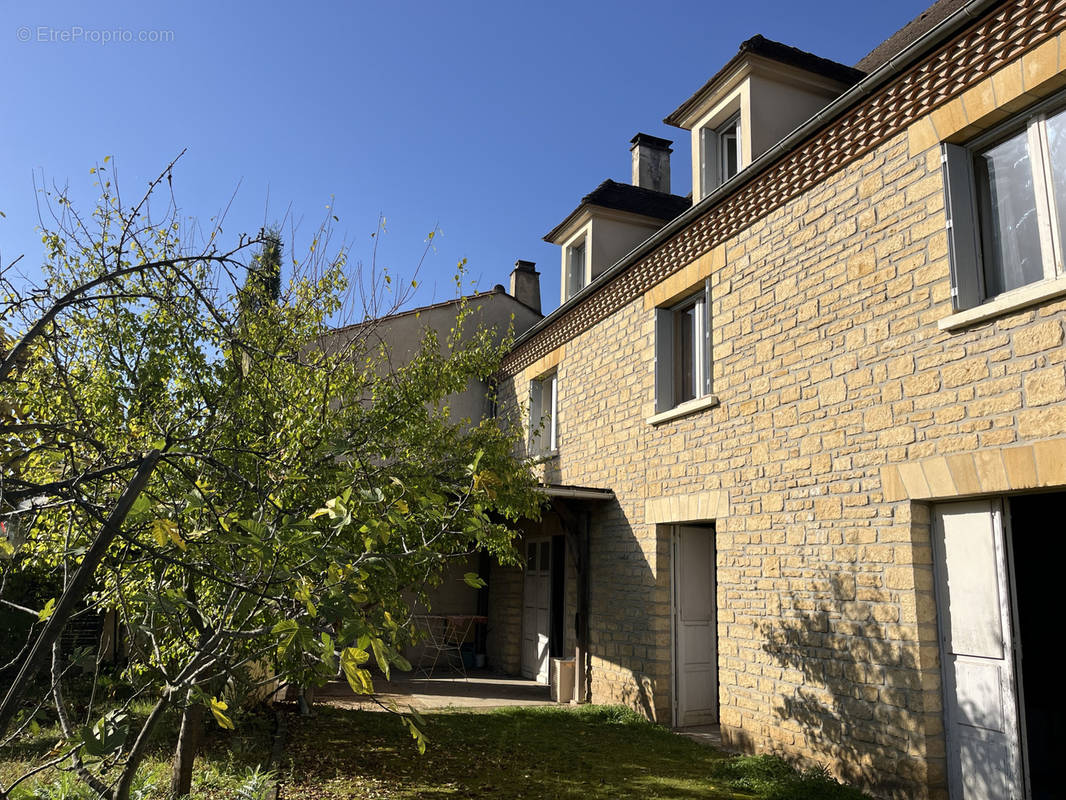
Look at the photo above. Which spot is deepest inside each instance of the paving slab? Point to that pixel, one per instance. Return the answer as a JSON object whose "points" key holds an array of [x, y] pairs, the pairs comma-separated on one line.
{"points": [[478, 690]]}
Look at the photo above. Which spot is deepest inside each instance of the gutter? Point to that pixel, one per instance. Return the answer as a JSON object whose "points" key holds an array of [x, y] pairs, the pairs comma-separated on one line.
{"points": [[575, 493], [875, 80]]}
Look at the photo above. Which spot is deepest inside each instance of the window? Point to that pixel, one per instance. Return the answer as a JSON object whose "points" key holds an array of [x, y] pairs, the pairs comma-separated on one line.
{"points": [[720, 151], [1006, 203], [575, 268], [543, 417], [683, 351]]}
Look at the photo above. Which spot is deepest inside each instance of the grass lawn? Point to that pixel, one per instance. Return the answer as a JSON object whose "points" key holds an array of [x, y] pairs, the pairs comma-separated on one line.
{"points": [[592, 752]]}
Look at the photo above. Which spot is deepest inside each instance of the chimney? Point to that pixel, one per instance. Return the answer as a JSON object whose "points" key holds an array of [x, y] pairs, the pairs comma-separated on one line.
{"points": [[525, 284], [651, 162]]}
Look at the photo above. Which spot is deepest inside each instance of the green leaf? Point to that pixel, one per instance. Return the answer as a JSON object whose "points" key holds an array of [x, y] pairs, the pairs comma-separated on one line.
{"points": [[380, 655], [107, 735], [286, 632], [46, 612], [140, 508], [352, 659], [218, 709], [473, 579]]}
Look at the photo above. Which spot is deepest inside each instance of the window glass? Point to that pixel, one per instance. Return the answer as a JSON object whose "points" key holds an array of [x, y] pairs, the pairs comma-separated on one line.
{"points": [[531, 555], [1009, 217], [545, 555], [730, 155], [685, 354], [1056, 139], [576, 269]]}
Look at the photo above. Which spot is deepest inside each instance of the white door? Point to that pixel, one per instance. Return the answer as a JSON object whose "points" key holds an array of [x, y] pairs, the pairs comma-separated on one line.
{"points": [[536, 610], [695, 627], [977, 652]]}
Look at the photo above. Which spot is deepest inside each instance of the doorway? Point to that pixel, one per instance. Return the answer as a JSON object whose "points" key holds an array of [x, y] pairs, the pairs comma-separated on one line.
{"points": [[695, 625], [998, 564]]}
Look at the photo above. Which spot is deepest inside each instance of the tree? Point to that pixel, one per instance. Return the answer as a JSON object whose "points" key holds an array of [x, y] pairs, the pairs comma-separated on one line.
{"points": [[236, 492]]}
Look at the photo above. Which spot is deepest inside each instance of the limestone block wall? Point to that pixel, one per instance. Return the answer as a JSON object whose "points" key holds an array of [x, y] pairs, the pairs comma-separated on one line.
{"points": [[846, 407]]}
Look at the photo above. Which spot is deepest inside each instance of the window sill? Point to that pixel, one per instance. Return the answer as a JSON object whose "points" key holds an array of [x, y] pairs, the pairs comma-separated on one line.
{"points": [[541, 458], [683, 410], [1009, 301]]}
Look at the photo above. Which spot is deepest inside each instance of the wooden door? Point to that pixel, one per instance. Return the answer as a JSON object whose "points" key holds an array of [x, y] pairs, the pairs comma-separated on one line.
{"points": [[536, 610], [695, 627]]}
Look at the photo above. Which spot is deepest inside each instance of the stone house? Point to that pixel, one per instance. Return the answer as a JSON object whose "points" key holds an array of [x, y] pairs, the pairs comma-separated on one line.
{"points": [[804, 436]]}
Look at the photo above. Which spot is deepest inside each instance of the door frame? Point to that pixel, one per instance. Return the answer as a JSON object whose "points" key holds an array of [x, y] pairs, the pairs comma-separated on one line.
{"points": [[710, 530]]}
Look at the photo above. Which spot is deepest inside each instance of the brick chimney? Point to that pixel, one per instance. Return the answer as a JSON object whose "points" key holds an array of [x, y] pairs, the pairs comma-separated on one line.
{"points": [[651, 162], [525, 284]]}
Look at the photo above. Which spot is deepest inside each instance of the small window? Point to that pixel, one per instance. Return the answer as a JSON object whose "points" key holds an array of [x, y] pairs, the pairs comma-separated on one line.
{"points": [[575, 268], [543, 417], [683, 351], [1006, 202], [720, 154]]}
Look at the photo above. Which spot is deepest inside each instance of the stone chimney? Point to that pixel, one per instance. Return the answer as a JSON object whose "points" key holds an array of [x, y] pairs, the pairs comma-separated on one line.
{"points": [[651, 162], [525, 284]]}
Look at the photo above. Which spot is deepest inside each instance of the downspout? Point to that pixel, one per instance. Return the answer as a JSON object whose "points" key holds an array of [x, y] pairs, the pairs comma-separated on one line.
{"points": [[582, 659]]}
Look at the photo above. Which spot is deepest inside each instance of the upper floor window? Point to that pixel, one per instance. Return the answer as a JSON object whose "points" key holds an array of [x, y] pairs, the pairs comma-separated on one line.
{"points": [[683, 351], [543, 416], [719, 154], [576, 258], [1006, 203]]}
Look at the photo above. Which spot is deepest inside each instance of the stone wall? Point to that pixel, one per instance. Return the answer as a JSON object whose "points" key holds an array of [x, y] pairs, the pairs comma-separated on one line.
{"points": [[846, 405]]}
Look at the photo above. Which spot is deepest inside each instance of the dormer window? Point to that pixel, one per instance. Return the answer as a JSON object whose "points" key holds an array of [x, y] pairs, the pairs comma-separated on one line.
{"points": [[720, 154], [615, 217], [753, 102], [576, 259]]}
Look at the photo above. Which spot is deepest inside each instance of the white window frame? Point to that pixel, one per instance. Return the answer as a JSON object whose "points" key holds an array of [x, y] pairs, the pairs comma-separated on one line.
{"points": [[544, 414], [712, 153], [573, 268], [666, 349], [967, 241]]}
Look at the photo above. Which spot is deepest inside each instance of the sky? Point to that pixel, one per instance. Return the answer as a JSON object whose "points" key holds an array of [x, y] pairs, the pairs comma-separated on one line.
{"points": [[484, 121]]}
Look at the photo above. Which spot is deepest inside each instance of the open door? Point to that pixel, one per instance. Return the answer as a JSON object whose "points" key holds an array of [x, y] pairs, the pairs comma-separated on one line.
{"points": [[695, 627], [977, 652]]}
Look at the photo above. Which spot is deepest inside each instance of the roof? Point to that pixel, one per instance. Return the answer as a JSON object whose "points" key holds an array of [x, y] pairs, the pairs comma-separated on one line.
{"points": [[909, 33], [626, 197], [498, 289], [775, 51]]}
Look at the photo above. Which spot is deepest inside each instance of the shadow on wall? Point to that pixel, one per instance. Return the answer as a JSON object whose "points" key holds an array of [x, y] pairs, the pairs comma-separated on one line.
{"points": [[630, 606], [859, 698]]}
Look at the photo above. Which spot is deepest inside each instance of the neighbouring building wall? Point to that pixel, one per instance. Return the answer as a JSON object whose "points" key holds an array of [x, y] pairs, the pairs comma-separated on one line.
{"points": [[844, 410]]}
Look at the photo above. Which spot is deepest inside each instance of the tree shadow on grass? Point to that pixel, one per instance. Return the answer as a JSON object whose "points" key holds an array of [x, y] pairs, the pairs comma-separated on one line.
{"points": [[589, 753]]}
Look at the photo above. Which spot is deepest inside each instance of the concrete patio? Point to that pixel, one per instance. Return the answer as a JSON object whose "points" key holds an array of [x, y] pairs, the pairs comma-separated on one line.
{"points": [[480, 689]]}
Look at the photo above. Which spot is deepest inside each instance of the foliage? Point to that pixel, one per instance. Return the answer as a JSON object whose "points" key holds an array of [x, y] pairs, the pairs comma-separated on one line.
{"points": [[243, 490], [774, 778]]}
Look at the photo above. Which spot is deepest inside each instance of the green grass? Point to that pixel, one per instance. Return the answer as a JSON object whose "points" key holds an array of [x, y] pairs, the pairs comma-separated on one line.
{"points": [[220, 771], [591, 752]]}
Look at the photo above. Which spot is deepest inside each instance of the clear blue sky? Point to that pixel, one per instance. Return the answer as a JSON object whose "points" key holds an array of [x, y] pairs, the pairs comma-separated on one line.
{"points": [[489, 120]]}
